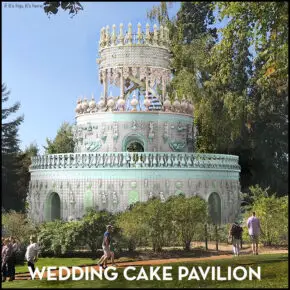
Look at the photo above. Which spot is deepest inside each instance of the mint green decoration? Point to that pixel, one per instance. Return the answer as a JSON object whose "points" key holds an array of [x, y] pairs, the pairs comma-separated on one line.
{"points": [[133, 196], [88, 199], [177, 145], [93, 146], [178, 185], [178, 192]]}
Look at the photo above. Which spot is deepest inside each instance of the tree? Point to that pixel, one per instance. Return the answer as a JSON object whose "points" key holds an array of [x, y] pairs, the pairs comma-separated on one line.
{"points": [[273, 214], [92, 228], [133, 228], [18, 226], [53, 7], [63, 142], [157, 217], [262, 145], [24, 159], [10, 149], [187, 216], [238, 83]]}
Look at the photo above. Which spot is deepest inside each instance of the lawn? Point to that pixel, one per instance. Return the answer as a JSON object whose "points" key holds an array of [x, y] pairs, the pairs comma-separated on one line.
{"points": [[274, 274], [64, 262]]}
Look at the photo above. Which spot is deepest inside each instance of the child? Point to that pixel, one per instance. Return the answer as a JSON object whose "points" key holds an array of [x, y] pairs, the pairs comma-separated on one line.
{"points": [[31, 254]]}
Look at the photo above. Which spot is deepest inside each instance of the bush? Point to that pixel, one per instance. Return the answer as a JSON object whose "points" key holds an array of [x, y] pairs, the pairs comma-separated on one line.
{"points": [[273, 214], [17, 225], [92, 227], [59, 237]]}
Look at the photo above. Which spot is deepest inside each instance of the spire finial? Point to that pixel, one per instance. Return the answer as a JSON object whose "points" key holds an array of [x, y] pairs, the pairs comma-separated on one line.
{"points": [[121, 35]]}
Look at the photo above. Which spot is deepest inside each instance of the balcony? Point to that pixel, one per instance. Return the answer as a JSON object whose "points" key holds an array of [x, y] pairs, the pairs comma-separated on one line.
{"points": [[135, 160]]}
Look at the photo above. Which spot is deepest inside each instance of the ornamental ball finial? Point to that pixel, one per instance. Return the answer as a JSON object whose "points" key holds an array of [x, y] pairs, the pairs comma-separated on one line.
{"points": [[147, 102], [134, 102], [176, 103], [79, 106], [85, 105], [92, 103], [184, 104], [121, 104], [111, 103], [101, 102], [167, 103]]}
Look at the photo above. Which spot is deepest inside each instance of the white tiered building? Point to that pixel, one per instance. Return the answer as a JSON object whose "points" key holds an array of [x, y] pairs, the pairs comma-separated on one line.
{"points": [[133, 146]]}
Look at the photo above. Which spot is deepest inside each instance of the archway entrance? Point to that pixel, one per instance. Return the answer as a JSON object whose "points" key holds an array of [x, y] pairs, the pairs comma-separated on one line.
{"points": [[135, 146], [214, 208], [134, 143], [52, 207], [55, 206]]}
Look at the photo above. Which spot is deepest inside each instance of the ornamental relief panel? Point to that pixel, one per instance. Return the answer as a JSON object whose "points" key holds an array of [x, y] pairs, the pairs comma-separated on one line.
{"points": [[137, 56]]}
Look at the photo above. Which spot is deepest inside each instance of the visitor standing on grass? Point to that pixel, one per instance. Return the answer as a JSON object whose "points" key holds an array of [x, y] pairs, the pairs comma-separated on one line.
{"points": [[12, 259], [254, 228], [106, 247], [235, 233], [6, 265], [31, 254]]}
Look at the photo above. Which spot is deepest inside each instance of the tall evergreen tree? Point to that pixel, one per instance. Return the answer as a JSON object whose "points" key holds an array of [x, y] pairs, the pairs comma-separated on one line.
{"points": [[63, 142], [9, 150], [24, 159]]}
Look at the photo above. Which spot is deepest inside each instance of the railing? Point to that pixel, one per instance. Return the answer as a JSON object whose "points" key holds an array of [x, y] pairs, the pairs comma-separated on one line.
{"points": [[133, 160], [135, 40]]}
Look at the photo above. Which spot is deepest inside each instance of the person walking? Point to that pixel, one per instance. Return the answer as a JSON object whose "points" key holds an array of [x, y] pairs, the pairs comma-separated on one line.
{"points": [[255, 230], [235, 233], [106, 247], [31, 254]]}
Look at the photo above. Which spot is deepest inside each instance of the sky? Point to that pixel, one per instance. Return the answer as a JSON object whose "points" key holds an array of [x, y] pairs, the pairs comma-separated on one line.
{"points": [[48, 63]]}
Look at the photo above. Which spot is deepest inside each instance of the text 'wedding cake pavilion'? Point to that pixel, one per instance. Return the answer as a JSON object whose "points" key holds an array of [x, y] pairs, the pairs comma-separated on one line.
{"points": [[134, 146]]}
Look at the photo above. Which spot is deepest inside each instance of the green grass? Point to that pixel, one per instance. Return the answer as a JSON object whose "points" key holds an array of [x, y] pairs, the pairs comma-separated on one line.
{"points": [[64, 262], [274, 274], [57, 262]]}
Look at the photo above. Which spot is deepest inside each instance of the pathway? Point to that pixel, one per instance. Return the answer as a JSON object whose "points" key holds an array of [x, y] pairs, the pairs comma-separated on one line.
{"points": [[26, 276]]}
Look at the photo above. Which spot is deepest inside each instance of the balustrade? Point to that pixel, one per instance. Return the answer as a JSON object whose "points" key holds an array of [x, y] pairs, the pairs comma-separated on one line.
{"points": [[135, 160]]}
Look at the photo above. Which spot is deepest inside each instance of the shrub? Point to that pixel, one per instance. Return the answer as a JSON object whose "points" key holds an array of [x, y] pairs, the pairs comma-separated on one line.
{"points": [[17, 225]]}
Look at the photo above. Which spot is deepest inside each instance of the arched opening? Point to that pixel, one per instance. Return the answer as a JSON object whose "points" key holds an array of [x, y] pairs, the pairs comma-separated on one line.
{"points": [[55, 206], [134, 142], [214, 208], [135, 146], [52, 207]]}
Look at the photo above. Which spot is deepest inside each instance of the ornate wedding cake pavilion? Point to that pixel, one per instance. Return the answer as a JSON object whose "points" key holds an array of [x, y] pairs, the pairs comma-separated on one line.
{"points": [[134, 146]]}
